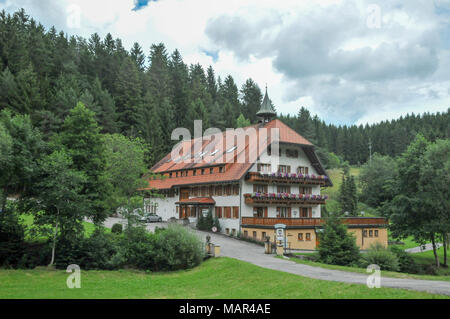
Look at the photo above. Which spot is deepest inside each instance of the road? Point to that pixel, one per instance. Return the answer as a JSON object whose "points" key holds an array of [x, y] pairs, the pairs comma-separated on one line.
{"points": [[254, 254]]}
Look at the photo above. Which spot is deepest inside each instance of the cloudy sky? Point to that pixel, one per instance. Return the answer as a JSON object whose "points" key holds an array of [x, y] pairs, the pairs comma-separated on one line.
{"points": [[347, 61]]}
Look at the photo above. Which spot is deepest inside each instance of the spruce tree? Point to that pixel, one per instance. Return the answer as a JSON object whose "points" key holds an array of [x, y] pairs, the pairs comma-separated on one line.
{"points": [[336, 245]]}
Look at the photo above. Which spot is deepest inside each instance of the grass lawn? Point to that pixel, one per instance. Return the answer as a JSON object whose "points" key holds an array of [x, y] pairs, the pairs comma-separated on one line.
{"points": [[89, 228], [215, 278], [420, 258]]}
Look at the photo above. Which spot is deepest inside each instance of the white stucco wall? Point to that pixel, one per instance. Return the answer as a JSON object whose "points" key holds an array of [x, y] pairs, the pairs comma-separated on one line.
{"points": [[302, 160]]}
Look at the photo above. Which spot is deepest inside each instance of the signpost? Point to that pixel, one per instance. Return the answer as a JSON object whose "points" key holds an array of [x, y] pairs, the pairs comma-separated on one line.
{"points": [[281, 238]]}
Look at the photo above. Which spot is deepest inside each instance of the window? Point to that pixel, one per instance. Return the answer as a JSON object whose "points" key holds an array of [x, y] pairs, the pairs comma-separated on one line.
{"points": [[235, 212], [203, 171], [236, 189], [195, 191], [176, 174], [302, 170], [370, 233], [263, 168], [308, 236], [233, 232], [284, 169], [245, 233], [170, 175], [194, 172], [204, 191], [364, 233], [227, 212], [219, 212], [258, 188], [260, 212], [218, 190], [227, 230], [306, 212], [284, 189], [254, 234], [305, 190], [211, 170], [291, 153], [228, 190], [221, 169], [300, 236], [376, 233], [284, 212], [263, 236]]}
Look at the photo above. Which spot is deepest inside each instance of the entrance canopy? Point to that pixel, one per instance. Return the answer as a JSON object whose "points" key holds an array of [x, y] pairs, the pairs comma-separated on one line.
{"points": [[203, 201]]}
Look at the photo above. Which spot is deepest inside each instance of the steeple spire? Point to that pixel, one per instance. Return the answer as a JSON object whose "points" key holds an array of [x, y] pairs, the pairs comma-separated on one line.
{"points": [[266, 112]]}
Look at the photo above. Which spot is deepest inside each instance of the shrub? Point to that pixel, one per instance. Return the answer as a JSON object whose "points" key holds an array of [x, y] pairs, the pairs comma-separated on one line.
{"points": [[381, 256], [138, 248], [117, 228], [177, 248], [336, 245], [101, 251], [406, 261], [35, 254], [12, 235]]}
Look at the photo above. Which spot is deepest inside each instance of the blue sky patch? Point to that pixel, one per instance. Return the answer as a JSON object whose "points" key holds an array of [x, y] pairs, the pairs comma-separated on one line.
{"points": [[213, 54], [140, 4]]}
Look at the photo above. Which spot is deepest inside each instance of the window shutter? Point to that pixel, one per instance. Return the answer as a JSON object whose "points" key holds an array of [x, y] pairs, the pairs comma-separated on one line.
{"points": [[289, 169], [289, 212], [265, 212], [278, 211], [310, 212]]}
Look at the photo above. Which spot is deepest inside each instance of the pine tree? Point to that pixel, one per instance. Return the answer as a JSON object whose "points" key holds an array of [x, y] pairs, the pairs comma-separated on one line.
{"points": [[179, 78], [138, 56], [304, 125], [336, 245], [251, 100], [128, 96]]}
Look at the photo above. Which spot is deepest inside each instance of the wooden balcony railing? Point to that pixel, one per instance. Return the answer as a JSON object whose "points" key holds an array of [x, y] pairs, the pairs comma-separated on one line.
{"points": [[269, 221], [284, 198], [289, 178]]}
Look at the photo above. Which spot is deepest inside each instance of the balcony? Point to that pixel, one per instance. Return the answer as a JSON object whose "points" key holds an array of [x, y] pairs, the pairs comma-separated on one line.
{"points": [[284, 198], [289, 178], [313, 222]]}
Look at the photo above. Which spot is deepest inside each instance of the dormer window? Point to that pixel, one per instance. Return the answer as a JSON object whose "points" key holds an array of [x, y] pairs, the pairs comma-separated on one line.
{"points": [[232, 149]]}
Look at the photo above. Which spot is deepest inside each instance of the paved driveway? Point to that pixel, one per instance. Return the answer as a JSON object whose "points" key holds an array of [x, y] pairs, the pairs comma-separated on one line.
{"points": [[254, 254]]}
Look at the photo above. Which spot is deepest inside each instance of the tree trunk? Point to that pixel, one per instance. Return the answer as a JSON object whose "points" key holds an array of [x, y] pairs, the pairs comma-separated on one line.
{"points": [[444, 243], [54, 239], [436, 258]]}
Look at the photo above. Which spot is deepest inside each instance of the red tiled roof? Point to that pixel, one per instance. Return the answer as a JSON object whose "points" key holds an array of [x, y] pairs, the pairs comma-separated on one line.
{"points": [[235, 163], [198, 200]]}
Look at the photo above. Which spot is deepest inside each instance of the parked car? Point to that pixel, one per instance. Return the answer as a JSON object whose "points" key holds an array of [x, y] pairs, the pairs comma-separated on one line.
{"points": [[152, 218]]}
